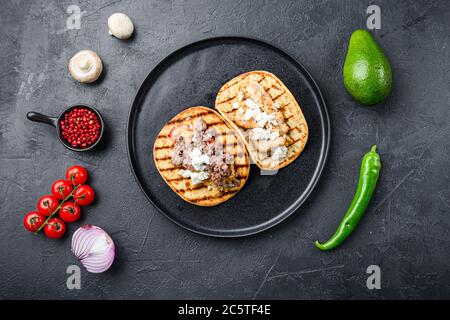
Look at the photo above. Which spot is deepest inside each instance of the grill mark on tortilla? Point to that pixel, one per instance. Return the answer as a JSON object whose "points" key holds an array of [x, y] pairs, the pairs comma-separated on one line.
{"points": [[182, 119], [295, 141], [284, 106], [202, 186], [287, 118], [171, 168], [232, 84], [223, 195], [279, 96], [164, 158], [227, 100], [225, 87], [163, 147], [198, 187], [294, 128], [223, 125], [212, 124], [275, 86], [224, 145], [180, 168], [181, 178]]}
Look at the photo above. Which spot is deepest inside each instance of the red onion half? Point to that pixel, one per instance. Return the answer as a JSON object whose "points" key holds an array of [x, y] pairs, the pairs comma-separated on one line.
{"points": [[94, 248]]}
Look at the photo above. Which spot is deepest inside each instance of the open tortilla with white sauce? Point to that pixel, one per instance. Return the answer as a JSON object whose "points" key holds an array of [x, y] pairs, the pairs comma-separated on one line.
{"points": [[267, 117]]}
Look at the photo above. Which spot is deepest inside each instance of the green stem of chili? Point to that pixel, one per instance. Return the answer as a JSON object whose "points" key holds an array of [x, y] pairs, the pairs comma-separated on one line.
{"points": [[369, 173]]}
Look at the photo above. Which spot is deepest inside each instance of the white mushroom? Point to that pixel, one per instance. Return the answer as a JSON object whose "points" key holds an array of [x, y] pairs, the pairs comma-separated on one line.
{"points": [[120, 26], [85, 66]]}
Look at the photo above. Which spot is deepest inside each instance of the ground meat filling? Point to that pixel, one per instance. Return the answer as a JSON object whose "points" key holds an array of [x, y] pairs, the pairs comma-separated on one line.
{"points": [[180, 153], [220, 167]]}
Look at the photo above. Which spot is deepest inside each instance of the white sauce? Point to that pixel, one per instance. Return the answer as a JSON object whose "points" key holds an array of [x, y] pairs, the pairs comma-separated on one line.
{"points": [[198, 160], [196, 177], [250, 113], [262, 134], [279, 153], [261, 117], [251, 104]]}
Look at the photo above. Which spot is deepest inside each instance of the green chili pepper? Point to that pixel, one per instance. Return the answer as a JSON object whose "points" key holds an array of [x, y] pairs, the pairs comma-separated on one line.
{"points": [[368, 177]]}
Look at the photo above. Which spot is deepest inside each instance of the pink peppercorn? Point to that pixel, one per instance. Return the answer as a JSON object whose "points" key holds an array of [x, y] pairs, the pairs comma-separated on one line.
{"points": [[80, 128]]}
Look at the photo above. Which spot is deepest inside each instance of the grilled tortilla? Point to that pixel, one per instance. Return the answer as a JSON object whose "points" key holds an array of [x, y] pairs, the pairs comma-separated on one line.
{"points": [[200, 194], [275, 99]]}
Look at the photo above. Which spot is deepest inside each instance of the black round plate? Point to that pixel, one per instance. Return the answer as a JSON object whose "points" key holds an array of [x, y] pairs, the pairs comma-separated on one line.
{"points": [[192, 76]]}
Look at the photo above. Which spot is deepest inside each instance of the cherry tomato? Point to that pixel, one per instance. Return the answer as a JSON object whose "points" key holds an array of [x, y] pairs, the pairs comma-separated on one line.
{"points": [[55, 228], [61, 189], [84, 195], [47, 204], [70, 212], [33, 220], [78, 174]]}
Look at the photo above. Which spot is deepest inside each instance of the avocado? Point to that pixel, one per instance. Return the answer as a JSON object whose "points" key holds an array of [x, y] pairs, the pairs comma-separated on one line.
{"points": [[367, 72]]}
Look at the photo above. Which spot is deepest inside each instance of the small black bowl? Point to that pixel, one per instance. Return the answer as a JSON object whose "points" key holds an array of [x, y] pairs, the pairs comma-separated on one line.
{"points": [[55, 122]]}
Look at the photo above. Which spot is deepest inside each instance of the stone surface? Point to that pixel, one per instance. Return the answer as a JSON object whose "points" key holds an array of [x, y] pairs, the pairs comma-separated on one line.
{"points": [[405, 231]]}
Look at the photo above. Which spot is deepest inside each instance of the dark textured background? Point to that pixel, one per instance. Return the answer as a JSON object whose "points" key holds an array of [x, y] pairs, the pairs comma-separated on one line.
{"points": [[405, 231]]}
